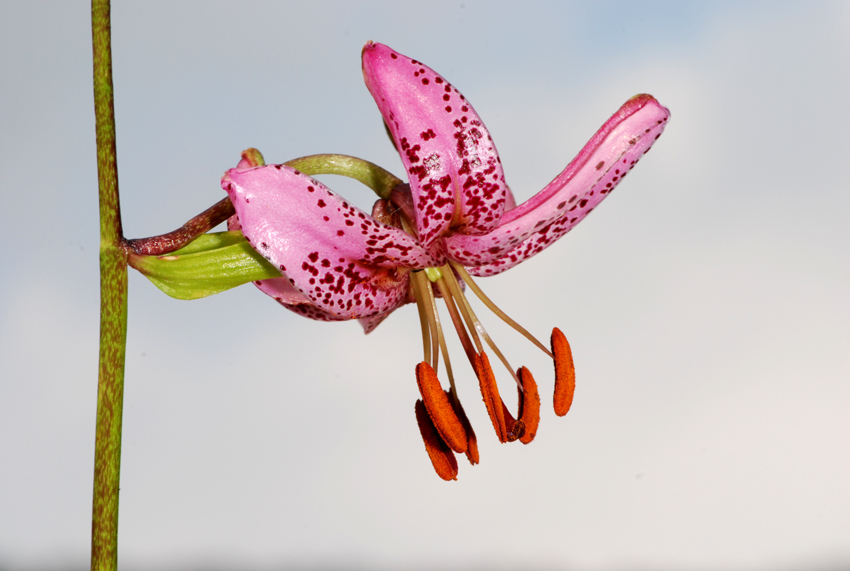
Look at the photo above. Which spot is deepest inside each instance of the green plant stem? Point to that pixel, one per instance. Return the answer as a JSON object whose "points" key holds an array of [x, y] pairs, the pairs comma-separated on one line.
{"points": [[113, 306]]}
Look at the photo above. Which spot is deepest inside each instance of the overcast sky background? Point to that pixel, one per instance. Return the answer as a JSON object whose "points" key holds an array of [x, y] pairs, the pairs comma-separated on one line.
{"points": [[706, 302]]}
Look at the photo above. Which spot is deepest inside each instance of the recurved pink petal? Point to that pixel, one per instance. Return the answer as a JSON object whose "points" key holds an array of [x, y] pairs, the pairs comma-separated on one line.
{"points": [[280, 289], [588, 179], [348, 264], [454, 170], [286, 294], [369, 324]]}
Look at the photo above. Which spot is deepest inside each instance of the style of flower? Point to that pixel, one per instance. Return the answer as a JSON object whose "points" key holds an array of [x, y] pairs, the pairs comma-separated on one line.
{"points": [[455, 219]]}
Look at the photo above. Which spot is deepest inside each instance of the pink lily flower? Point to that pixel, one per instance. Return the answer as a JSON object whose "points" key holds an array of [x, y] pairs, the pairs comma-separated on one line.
{"points": [[455, 219]]}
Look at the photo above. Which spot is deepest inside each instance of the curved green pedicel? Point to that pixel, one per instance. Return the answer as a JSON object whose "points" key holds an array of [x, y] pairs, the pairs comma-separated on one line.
{"points": [[378, 179]]}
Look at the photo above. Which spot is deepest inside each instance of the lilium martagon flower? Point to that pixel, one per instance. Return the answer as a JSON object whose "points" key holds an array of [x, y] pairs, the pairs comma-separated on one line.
{"points": [[455, 218]]}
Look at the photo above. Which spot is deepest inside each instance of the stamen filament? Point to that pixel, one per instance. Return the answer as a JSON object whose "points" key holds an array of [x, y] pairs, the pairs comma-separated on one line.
{"points": [[432, 330], [431, 352], [444, 349], [495, 309], [423, 318], [438, 339], [457, 294], [433, 322], [455, 287], [457, 321]]}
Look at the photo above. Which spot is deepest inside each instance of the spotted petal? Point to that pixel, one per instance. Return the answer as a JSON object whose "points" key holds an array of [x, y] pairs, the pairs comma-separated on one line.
{"points": [[588, 179], [455, 174], [281, 289], [286, 294], [340, 258]]}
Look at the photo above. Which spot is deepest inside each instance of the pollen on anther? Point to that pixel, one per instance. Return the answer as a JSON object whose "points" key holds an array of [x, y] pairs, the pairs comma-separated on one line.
{"points": [[565, 373], [471, 440], [513, 428], [440, 408], [529, 405], [490, 394], [442, 458]]}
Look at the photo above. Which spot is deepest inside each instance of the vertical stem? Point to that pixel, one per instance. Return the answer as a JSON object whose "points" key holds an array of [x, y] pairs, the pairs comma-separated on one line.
{"points": [[113, 306]]}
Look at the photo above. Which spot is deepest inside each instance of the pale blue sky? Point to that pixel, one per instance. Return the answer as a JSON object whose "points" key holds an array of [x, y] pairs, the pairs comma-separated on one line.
{"points": [[706, 301]]}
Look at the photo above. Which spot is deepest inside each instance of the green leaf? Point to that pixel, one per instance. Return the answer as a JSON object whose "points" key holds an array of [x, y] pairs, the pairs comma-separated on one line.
{"points": [[209, 265]]}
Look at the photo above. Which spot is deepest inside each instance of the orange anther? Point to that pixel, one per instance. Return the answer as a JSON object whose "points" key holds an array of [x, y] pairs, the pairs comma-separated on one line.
{"points": [[440, 408], [441, 456], [490, 393], [515, 427], [565, 373], [471, 440], [529, 405]]}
